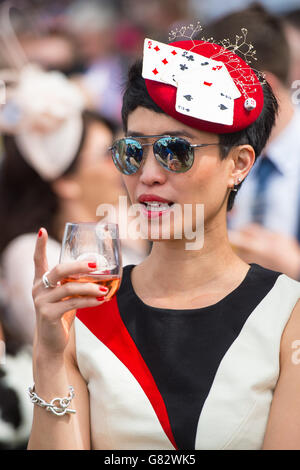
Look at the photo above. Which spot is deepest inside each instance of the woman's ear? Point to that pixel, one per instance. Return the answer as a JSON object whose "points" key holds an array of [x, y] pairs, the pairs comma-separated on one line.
{"points": [[66, 188], [243, 158]]}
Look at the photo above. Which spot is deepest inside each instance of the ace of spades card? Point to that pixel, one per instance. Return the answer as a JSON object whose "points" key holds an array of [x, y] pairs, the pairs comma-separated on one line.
{"points": [[204, 100]]}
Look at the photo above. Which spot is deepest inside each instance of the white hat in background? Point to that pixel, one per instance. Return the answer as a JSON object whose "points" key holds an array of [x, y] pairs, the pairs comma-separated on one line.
{"points": [[50, 126], [43, 110]]}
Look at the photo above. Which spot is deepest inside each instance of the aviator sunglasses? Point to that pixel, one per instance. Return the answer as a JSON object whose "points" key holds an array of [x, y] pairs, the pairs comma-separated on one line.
{"points": [[172, 153]]}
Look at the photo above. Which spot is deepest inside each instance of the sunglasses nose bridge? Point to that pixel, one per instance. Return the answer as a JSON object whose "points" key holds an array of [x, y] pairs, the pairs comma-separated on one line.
{"points": [[151, 170], [148, 153]]}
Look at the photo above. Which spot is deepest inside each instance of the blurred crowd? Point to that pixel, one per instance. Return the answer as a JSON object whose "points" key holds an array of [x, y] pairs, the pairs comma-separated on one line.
{"points": [[63, 67]]}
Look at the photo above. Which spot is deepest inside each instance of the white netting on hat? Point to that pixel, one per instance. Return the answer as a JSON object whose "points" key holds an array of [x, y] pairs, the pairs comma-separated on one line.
{"points": [[241, 46]]}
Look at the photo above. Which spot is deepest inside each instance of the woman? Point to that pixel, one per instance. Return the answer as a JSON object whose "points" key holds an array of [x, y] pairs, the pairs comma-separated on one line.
{"points": [[187, 355]]}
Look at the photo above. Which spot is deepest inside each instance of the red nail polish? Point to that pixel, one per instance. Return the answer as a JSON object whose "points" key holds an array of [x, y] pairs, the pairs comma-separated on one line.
{"points": [[99, 298], [40, 233], [92, 265], [103, 289]]}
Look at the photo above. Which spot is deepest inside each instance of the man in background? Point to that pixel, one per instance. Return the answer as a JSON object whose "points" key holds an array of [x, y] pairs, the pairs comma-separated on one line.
{"points": [[292, 31]]}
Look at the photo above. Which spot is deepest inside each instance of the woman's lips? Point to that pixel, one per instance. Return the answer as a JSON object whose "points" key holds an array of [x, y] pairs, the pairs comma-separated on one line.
{"points": [[152, 214], [144, 198], [152, 210], [153, 205]]}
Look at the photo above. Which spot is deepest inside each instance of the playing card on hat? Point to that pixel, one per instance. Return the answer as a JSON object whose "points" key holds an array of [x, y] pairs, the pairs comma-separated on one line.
{"points": [[217, 72], [190, 66], [157, 61], [184, 64], [204, 100], [211, 85]]}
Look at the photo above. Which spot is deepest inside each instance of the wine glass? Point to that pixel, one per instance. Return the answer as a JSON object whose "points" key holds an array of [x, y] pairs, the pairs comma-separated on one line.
{"points": [[96, 243]]}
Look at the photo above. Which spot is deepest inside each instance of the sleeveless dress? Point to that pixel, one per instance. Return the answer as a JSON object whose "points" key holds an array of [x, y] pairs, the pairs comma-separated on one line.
{"points": [[204, 378]]}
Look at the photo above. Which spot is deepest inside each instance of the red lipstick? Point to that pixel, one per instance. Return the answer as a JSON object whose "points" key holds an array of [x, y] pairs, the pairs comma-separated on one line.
{"points": [[154, 205]]}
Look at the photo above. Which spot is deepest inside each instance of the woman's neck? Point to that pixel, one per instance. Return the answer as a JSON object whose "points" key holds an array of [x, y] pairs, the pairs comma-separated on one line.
{"points": [[204, 265], [199, 278]]}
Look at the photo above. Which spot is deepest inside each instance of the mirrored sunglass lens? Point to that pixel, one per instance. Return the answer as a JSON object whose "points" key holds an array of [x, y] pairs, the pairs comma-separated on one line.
{"points": [[174, 154], [127, 155]]}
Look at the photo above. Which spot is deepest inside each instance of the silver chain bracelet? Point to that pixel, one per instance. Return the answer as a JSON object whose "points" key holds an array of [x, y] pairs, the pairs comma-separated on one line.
{"points": [[58, 406]]}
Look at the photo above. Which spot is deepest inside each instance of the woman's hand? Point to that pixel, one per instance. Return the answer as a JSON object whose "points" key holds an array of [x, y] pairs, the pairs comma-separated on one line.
{"points": [[56, 307]]}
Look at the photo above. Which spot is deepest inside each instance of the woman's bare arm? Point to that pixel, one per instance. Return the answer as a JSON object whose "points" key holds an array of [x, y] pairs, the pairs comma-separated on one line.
{"points": [[283, 429], [54, 358], [52, 378]]}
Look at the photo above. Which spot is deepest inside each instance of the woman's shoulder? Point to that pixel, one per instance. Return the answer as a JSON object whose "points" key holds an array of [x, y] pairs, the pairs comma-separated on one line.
{"points": [[258, 278], [275, 279], [279, 292], [278, 312]]}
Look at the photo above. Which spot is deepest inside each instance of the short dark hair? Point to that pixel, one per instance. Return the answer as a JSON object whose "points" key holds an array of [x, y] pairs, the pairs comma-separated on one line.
{"points": [[256, 134], [265, 31]]}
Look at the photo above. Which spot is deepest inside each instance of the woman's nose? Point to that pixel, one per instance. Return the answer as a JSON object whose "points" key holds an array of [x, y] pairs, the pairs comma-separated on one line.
{"points": [[151, 171]]}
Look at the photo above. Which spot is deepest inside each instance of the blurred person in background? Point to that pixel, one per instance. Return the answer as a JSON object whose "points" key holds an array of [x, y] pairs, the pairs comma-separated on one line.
{"points": [[94, 23], [265, 222], [57, 50], [15, 374], [214, 9], [52, 50], [129, 39], [292, 30], [157, 17]]}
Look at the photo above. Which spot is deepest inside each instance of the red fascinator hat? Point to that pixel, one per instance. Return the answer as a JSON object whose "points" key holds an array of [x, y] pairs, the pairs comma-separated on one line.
{"points": [[203, 85]]}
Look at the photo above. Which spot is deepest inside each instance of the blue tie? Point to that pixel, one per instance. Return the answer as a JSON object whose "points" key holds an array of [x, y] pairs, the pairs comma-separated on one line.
{"points": [[263, 175]]}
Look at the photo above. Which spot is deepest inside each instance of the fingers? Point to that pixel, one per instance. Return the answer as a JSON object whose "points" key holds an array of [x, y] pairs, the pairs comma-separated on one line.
{"points": [[73, 289], [60, 272], [40, 256], [58, 309], [65, 270], [53, 303]]}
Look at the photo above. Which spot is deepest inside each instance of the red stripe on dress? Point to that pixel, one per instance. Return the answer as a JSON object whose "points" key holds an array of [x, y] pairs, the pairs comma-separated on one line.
{"points": [[106, 324]]}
